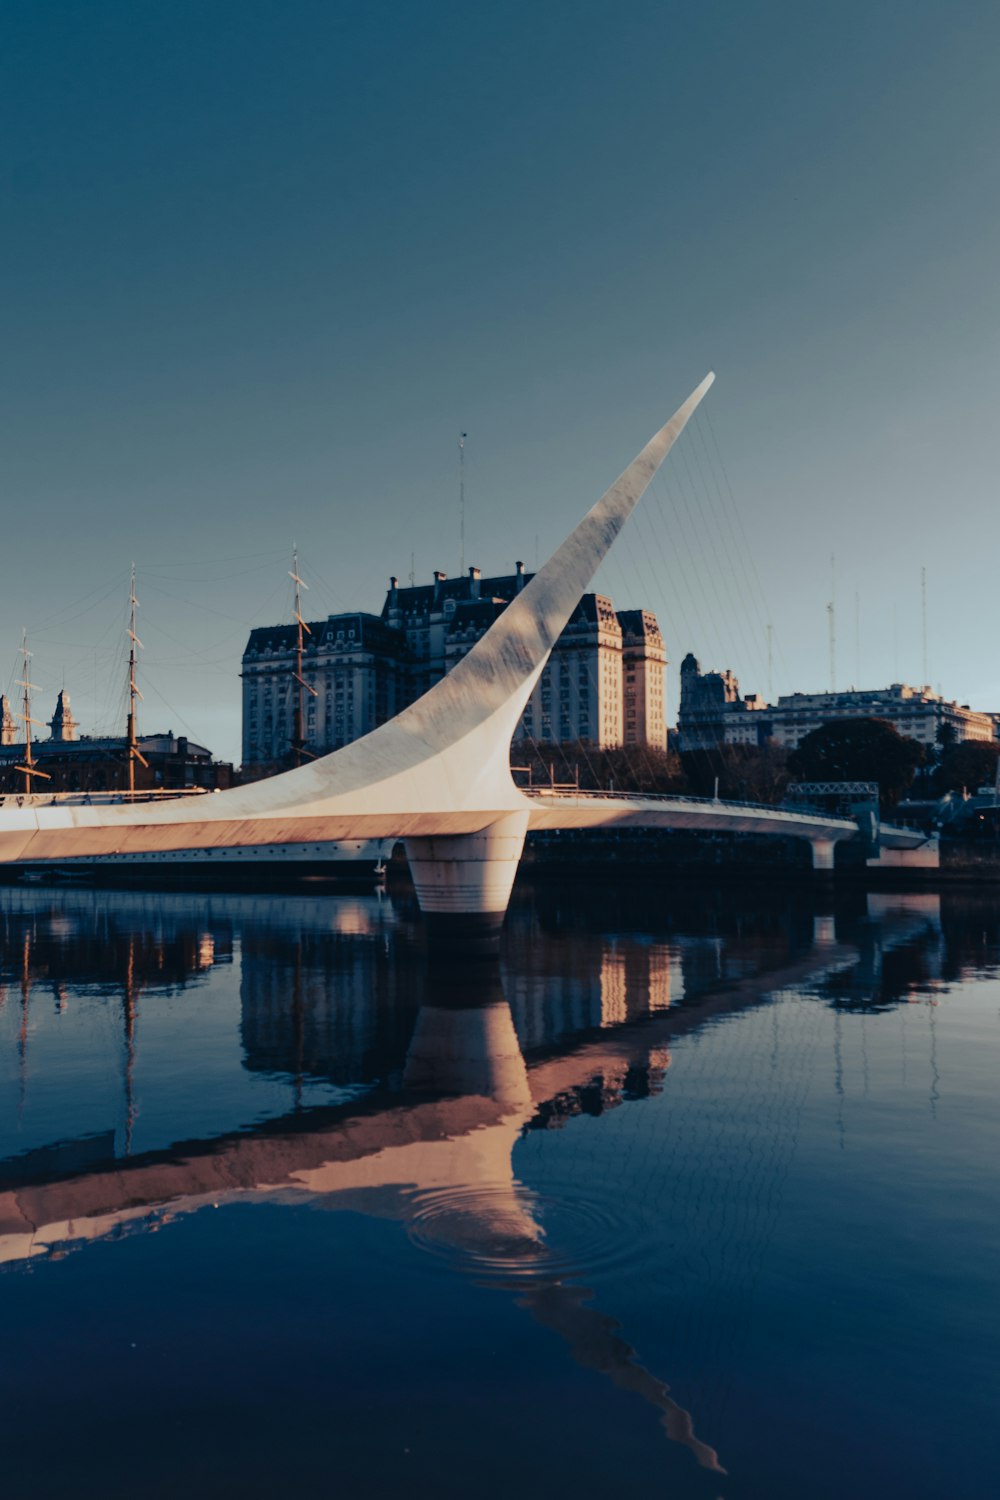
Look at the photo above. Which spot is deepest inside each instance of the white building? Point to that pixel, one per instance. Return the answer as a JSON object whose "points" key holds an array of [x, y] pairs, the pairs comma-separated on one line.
{"points": [[712, 712], [916, 713]]}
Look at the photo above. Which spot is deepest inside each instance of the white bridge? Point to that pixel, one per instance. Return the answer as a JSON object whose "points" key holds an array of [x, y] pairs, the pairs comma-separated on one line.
{"points": [[437, 775]]}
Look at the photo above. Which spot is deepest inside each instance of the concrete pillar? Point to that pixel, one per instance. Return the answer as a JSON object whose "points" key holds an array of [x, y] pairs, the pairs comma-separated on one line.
{"points": [[822, 853], [468, 1050], [464, 881]]}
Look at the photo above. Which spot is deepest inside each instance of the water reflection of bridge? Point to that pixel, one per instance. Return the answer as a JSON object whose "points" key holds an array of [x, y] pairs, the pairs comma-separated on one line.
{"points": [[331, 989], [457, 1063]]}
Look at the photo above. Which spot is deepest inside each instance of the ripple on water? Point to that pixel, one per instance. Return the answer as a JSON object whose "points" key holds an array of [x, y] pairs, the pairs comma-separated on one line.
{"points": [[510, 1231]]}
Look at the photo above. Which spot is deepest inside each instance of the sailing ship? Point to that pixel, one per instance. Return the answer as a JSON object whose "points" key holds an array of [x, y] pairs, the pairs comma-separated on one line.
{"points": [[347, 860]]}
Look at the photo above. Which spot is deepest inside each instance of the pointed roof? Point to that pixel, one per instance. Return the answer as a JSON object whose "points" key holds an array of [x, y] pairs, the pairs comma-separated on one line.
{"points": [[62, 723]]}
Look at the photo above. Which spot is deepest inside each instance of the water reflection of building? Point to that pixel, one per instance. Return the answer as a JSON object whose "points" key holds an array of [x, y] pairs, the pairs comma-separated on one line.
{"points": [[438, 1149], [76, 938], [557, 989], [319, 1006], [439, 1158]]}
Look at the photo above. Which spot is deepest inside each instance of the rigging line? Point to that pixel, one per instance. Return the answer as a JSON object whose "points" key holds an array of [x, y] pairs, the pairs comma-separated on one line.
{"points": [[758, 601], [154, 689], [680, 519], [738, 563], [727, 616], [717, 759], [735, 625], [736, 510], [664, 588], [739, 522], [737, 619], [195, 603], [326, 594], [644, 585], [60, 617], [680, 508], [168, 664], [690, 622], [167, 577], [667, 586], [723, 532], [213, 562], [624, 749], [331, 594], [225, 656]]}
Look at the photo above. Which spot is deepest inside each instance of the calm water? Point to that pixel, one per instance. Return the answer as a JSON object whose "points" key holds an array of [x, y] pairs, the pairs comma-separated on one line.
{"points": [[690, 1194]]}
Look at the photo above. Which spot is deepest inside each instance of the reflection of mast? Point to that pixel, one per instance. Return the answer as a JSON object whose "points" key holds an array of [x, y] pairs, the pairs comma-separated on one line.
{"points": [[129, 1017], [22, 1035], [299, 752], [28, 769], [134, 753], [298, 1023]]}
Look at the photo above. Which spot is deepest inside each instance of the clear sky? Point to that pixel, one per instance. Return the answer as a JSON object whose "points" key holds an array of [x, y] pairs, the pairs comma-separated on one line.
{"points": [[263, 260]]}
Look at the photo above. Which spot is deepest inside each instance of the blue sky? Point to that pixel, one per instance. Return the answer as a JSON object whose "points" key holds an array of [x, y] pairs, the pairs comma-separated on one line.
{"points": [[262, 262]]}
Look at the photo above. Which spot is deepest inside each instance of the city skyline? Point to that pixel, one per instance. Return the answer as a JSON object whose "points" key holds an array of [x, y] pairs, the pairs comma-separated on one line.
{"points": [[268, 265], [104, 703]]}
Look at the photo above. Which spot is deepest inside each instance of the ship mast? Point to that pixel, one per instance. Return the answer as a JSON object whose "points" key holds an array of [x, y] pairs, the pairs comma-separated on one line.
{"points": [[299, 751], [134, 753], [28, 770]]}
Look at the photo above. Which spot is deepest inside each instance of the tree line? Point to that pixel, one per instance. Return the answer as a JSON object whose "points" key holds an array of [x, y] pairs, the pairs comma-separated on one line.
{"points": [[845, 750]]}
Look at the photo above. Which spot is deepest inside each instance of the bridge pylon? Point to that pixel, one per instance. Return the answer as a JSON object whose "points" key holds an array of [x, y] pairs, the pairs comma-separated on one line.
{"points": [[463, 882]]}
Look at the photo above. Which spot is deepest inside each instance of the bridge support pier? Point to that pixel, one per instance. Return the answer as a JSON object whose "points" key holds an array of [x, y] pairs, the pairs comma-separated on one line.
{"points": [[464, 881], [822, 853]]}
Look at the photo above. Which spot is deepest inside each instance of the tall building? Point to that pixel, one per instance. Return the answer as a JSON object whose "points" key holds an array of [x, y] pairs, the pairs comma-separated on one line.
{"points": [[356, 667], [644, 661], [712, 712], [8, 724], [603, 682], [579, 694]]}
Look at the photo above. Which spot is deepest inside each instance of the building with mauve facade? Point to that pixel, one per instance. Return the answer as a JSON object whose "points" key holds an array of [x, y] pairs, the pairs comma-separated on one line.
{"points": [[603, 682]]}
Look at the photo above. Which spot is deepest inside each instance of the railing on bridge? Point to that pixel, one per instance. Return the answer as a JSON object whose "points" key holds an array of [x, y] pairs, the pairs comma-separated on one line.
{"points": [[678, 797], [98, 799]]}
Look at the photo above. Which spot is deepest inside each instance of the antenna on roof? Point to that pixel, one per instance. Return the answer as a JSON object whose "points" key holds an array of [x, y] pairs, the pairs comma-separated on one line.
{"points": [[461, 499], [831, 610], [857, 639], [923, 618]]}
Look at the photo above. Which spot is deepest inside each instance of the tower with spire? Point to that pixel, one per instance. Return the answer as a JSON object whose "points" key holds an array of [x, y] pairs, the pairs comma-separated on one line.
{"points": [[8, 727], [62, 723]]}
